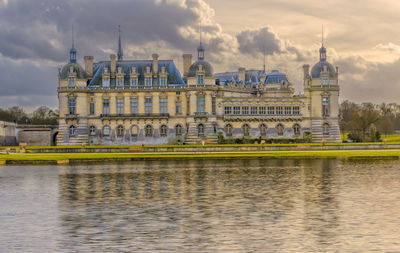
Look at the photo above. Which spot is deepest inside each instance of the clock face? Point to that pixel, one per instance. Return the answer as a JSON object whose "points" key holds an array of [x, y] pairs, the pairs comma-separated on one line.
{"points": [[325, 81]]}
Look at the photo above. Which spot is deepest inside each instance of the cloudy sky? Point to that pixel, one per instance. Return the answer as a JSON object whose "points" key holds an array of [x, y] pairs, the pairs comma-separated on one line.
{"points": [[361, 36]]}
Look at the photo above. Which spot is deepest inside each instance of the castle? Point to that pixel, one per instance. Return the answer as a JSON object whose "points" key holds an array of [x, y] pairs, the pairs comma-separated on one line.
{"points": [[131, 102]]}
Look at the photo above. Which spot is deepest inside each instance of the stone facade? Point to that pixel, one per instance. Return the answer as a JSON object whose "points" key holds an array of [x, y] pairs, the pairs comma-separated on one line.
{"points": [[8, 134], [131, 102]]}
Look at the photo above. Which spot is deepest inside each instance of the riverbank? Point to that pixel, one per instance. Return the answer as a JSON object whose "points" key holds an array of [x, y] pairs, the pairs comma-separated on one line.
{"points": [[76, 158]]}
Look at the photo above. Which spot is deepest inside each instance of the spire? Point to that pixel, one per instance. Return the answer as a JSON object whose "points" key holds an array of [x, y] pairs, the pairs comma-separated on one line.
{"points": [[322, 36], [72, 52], [120, 53], [200, 49], [322, 50], [264, 59]]}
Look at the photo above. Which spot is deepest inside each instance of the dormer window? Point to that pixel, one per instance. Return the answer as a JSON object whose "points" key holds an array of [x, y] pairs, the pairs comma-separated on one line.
{"points": [[147, 81], [106, 82], [120, 82], [71, 81], [325, 81], [200, 79], [163, 82]]}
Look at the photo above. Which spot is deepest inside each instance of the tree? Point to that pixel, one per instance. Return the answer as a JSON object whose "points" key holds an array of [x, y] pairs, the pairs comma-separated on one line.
{"points": [[386, 126]]}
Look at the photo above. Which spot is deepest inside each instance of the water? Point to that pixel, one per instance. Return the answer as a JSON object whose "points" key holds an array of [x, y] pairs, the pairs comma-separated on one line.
{"points": [[240, 205]]}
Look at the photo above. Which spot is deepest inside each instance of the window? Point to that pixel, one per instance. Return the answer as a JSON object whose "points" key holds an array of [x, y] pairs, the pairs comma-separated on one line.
{"points": [[134, 106], [228, 130], [147, 105], [325, 106], [92, 130], [288, 110], [71, 81], [263, 130], [120, 82], [120, 106], [245, 110], [91, 108], [325, 81], [120, 131], [200, 79], [147, 82], [72, 130], [106, 106], [134, 131], [296, 129], [271, 110], [200, 104], [163, 82], [325, 129], [228, 110], [296, 110], [279, 110], [149, 131], [254, 110], [178, 130], [106, 130], [200, 129], [163, 105], [134, 82], [246, 130], [163, 131], [178, 107], [262, 110], [72, 106], [279, 129], [106, 82], [214, 105], [236, 110]]}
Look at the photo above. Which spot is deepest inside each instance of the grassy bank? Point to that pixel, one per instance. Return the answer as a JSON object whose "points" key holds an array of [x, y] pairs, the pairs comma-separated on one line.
{"points": [[14, 158]]}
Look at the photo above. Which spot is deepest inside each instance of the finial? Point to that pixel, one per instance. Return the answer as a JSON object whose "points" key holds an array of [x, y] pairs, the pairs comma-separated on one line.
{"points": [[200, 30], [264, 58], [120, 52], [72, 52], [322, 35], [73, 40]]}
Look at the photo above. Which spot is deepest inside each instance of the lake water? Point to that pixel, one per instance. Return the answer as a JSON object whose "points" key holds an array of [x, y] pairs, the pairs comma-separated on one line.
{"points": [[239, 205]]}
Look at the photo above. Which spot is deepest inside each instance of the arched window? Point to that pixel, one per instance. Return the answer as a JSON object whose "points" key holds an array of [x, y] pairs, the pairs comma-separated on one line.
{"points": [[246, 130], [263, 130], [178, 130], [200, 129], [72, 130], [149, 131], [228, 130], [134, 131], [120, 131], [163, 131], [106, 130], [296, 129], [279, 129], [92, 130], [325, 129]]}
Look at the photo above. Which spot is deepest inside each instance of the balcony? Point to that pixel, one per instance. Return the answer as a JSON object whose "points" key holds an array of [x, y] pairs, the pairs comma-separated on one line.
{"points": [[135, 116], [201, 114], [71, 116], [262, 117]]}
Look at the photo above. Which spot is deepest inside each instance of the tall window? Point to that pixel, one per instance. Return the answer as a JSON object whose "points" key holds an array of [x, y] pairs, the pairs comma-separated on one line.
{"points": [[279, 129], [106, 130], [134, 106], [106, 82], [72, 106], [214, 105], [200, 130], [228, 130], [279, 110], [296, 110], [163, 131], [134, 82], [178, 130], [200, 79], [200, 104], [120, 106], [178, 107], [325, 129], [325, 106], [91, 108], [163, 105], [236, 110], [72, 130], [120, 82], [228, 110], [149, 131], [254, 110], [325, 80], [147, 81], [263, 130], [163, 82], [271, 110], [120, 131], [92, 130], [296, 129], [246, 130], [134, 131], [262, 110], [245, 110], [288, 110], [71, 81], [147, 105], [106, 106]]}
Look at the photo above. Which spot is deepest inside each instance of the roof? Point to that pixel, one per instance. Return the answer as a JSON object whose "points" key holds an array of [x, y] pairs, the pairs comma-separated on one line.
{"points": [[251, 76], [174, 76], [206, 66], [316, 70], [275, 77], [80, 72]]}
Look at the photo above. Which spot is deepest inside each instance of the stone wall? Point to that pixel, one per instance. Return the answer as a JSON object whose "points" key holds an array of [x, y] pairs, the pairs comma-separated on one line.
{"points": [[35, 137], [8, 134]]}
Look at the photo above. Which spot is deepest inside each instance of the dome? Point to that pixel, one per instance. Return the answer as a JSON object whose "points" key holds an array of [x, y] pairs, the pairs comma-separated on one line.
{"points": [[80, 72], [316, 70], [195, 66], [275, 77]]}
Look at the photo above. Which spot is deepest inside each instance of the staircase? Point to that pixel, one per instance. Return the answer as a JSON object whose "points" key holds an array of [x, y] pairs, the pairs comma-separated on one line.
{"points": [[81, 135], [318, 131], [192, 137]]}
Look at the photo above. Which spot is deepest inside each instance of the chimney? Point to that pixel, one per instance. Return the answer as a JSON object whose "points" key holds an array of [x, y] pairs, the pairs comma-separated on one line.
{"points": [[89, 65], [242, 75], [187, 62], [306, 69], [155, 65], [113, 59]]}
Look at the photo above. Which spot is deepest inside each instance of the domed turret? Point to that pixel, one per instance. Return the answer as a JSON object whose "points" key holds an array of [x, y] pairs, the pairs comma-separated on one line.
{"points": [[206, 67], [318, 67]]}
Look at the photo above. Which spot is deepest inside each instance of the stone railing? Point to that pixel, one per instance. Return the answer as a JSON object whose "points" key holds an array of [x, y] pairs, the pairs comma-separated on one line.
{"points": [[139, 115]]}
